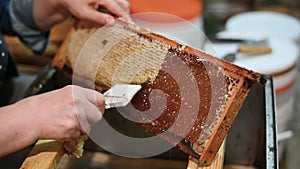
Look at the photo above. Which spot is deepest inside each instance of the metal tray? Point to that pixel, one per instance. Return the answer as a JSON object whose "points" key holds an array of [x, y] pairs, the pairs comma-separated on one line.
{"points": [[252, 140]]}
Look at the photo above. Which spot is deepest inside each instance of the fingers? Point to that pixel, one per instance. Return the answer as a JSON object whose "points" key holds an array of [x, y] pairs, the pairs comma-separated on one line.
{"points": [[98, 17], [125, 9], [92, 96], [88, 116], [88, 9], [89, 106], [72, 135], [84, 124], [65, 113], [124, 4], [119, 8]]}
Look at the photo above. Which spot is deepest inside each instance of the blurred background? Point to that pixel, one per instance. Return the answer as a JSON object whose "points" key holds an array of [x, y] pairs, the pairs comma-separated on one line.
{"points": [[217, 12], [219, 15]]}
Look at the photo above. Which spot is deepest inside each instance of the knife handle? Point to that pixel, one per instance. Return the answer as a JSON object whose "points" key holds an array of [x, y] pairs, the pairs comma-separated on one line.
{"points": [[104, 10], [254, 49]]}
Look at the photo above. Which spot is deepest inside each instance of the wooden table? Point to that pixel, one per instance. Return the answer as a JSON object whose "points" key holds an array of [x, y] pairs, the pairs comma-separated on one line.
{"points": [[50, 154]]}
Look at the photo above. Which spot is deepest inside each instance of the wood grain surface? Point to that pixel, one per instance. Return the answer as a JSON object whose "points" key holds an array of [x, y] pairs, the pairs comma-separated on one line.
{"points": [[217, 163], [46, 154]]}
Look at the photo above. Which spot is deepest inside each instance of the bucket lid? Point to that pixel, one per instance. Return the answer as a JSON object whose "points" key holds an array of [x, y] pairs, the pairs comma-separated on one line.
{"points": [[187, 9], [265, 22]]}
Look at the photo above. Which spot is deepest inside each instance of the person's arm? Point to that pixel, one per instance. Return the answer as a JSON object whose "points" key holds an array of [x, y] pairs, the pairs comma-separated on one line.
{"points": [[24, 26], [62, 114], [32, 19], [47, 13]]}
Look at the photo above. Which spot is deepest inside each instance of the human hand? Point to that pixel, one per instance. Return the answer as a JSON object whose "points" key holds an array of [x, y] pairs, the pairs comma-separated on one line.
{"points": [[47, 13], [87, 10], [65, 113]]}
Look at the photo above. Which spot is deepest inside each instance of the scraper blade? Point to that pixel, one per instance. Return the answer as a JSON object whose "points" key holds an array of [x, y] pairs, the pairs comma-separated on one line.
{"points": [[120, 95]]}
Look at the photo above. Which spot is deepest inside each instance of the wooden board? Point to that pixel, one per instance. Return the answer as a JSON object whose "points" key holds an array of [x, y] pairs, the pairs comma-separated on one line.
{"points": [[46, 154], [110, 161], [238, 167], [217, 163], [50, 154]]}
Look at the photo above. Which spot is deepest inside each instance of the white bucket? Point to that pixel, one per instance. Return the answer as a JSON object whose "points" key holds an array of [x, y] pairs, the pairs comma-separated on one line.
{"points": [[271, 24], [267, 23]]}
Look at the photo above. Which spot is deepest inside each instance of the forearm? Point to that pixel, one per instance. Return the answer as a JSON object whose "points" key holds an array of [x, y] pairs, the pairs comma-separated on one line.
{"points": [[25, 27], [48, 13], [17, 131]]}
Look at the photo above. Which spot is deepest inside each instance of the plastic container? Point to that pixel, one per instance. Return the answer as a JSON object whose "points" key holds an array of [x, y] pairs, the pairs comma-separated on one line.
{"points": [[175, 19], [267, 23]]}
